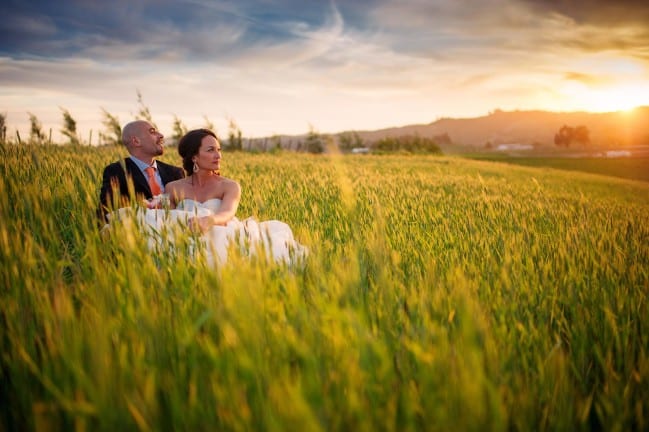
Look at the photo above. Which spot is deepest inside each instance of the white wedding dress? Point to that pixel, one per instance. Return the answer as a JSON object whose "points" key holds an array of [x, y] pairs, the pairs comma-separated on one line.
{"points": [[274, 238]]}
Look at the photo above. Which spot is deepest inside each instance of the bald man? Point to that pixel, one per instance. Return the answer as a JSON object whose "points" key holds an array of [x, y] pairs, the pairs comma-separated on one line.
{"points": [[144, 143]]}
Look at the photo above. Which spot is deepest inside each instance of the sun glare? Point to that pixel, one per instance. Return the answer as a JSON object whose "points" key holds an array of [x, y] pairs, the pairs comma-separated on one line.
{"points": [[619, 98]]}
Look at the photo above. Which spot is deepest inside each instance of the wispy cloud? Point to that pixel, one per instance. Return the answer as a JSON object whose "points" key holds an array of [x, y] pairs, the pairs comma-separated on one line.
{"points": [[585, 78]]}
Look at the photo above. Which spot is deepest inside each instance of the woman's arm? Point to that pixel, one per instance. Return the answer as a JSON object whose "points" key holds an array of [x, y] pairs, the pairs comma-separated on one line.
{"points": [[227, 209], [174, 191]]}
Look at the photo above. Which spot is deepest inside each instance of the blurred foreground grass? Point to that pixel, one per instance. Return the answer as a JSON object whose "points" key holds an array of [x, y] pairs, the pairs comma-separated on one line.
{"points": [[440, 294]]}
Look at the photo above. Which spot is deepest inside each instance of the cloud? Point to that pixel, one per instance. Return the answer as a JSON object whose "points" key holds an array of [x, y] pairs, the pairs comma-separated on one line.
{"points": [[145, 29], [189, 29], [446, 30], [601, 13], [587, 79]]}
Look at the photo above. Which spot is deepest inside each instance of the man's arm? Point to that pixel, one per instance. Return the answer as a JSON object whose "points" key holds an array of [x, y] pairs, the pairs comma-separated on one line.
{"points": [[109, 183]]}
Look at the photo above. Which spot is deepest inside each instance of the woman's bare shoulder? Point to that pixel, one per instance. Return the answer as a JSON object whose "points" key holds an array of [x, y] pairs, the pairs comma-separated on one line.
{"points": [[230, 186], [229, 182], [176, 183], [176, 187]]}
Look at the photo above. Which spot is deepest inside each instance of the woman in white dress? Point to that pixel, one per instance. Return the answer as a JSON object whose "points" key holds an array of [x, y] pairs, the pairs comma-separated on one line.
{"points": [[206, 203], [201, 153]]}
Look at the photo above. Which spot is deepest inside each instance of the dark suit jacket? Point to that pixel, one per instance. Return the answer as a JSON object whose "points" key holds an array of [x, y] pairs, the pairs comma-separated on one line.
{"points": [[116, 179]]}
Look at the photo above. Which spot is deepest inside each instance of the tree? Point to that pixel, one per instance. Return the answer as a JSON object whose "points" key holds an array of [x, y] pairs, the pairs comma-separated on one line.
{"points": [[235, 141], [348, 141], [36, 134], [179, 129], [567, 135], [314, 142], [113, 135], [276, 143], [69, 127], [443, 139], [563, 137]]}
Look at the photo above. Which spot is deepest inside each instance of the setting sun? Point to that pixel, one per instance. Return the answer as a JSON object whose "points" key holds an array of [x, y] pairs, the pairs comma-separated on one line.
{"points": [[619, 98], [608, 99]]}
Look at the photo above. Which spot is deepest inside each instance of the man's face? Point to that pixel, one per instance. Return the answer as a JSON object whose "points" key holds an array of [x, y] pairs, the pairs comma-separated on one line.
{"points": [[151, 141]]}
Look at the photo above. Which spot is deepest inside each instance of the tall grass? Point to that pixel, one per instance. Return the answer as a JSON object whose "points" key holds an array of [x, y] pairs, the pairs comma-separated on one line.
{"points": [[439, 294]]}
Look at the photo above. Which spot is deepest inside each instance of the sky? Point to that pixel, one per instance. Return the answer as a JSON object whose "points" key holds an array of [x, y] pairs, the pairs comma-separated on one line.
{"points": [[290, 66]]}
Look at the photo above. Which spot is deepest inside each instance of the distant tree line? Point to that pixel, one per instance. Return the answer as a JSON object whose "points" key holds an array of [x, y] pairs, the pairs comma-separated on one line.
{"points": [[349, 141], [568, 135], [407, 143]]}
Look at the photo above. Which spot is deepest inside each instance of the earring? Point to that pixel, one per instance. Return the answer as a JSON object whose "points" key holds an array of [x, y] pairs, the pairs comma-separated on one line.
{"points": [[196, 168]]}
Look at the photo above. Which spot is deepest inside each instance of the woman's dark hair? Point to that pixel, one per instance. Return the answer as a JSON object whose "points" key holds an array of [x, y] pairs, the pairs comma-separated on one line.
{"points": [[189, 145]]}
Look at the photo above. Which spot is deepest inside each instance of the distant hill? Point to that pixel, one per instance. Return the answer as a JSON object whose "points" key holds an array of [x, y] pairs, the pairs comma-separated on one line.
{"points": [[616, 129], [537, 128]]}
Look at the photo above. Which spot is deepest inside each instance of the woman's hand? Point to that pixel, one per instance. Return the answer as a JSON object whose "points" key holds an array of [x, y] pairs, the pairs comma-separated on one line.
{"points": [[204, 223], [200, 224], [158, 202]]}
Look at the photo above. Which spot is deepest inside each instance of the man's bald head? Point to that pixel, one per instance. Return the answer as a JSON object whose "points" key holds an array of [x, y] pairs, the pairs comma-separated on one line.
{"points": [[134, 129], [143, 140]]}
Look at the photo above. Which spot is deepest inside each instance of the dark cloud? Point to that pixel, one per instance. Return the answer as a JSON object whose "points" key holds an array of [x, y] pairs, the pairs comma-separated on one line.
{"points": [[75, 27], [597, 25], [444, 29], [152, 28], [596, 12], [634, 43]]}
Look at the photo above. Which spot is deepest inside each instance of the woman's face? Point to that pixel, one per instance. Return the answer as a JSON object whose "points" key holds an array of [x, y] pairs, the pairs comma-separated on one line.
{"points": [[209, 154]]}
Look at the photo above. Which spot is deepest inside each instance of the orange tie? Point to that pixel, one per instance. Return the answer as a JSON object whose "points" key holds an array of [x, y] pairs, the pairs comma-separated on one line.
{"points": [[153, 183]]}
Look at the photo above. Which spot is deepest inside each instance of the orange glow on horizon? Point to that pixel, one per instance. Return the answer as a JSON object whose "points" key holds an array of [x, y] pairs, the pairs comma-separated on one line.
{"points": [[624, 97]]}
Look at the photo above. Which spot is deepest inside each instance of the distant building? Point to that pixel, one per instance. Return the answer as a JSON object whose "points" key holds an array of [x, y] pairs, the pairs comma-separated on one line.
{"points": [[361, 150], [510, 147], [617, 153]]}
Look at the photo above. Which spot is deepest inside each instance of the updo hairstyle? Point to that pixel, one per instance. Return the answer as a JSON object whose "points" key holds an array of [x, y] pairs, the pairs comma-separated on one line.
{"points": [[190, 144]]}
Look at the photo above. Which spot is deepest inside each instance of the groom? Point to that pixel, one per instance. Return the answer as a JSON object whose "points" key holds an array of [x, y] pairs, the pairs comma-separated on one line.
{"points": [[144, 143]]}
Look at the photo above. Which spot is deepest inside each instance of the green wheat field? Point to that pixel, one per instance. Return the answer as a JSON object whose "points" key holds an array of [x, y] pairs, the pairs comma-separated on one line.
{"points": [[439, 294]]}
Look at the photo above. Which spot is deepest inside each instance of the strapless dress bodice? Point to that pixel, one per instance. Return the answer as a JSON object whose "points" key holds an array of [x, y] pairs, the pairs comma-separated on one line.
{"points": [[192, 205]]}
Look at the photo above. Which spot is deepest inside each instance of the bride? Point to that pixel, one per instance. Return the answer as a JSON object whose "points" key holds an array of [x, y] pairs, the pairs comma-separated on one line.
{"points": [[206, 203]]}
